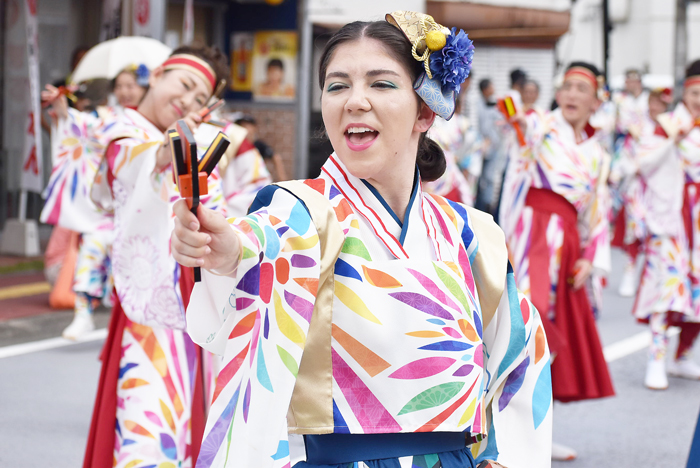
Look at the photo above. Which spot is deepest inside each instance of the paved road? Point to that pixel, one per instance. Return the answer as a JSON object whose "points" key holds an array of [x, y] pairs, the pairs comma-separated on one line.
{"points": [[46, 401]]}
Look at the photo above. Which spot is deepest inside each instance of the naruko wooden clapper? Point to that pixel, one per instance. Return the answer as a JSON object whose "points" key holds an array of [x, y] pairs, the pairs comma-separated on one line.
{"points": [[186, 164], [507, 108]]}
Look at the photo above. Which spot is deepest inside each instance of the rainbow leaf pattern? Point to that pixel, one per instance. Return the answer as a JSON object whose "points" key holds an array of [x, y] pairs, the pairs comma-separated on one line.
{"points": [[407, 350]]}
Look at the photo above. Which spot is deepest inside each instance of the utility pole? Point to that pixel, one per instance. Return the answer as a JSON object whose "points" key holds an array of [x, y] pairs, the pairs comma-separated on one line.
{"points": [[681, 51], [304, 91], [607, 28]]}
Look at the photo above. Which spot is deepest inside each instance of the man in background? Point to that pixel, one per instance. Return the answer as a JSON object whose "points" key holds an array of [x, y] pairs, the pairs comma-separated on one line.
{"points": [[491, 125], [273, 160]]}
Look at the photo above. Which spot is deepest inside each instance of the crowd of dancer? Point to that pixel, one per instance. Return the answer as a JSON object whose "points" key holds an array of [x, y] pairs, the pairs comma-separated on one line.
{"points": [[595, 172], [370, 316]]}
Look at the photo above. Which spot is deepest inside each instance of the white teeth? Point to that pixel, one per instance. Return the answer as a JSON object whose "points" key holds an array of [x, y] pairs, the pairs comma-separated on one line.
{"points": [[359, 130]]}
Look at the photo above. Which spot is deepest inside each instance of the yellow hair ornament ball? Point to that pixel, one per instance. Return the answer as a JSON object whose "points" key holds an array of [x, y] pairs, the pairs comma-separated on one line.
{"points": [[435, 40]]}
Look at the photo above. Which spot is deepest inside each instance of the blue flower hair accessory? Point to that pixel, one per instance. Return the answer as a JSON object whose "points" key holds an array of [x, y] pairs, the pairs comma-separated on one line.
{"points": [[451, 64], [142, 74], [446, 55]]}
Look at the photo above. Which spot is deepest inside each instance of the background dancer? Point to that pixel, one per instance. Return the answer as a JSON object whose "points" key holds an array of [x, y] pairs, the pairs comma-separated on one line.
{"points": [[669, 155], [632, 111], [554, 213], [76, 154], [152, 393]]}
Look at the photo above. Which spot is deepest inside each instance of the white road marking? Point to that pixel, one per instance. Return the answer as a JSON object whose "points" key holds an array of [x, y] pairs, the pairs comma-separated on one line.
{"points": [[631, 345], [51, 343]]}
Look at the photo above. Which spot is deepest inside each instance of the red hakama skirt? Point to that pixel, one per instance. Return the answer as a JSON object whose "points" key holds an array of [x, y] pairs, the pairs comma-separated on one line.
{"points": [[99, 452], [579, 370]]}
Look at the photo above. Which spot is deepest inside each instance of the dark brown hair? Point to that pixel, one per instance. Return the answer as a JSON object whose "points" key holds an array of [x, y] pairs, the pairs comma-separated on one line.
{"points": [[213, 56], [693, 69], [589, 66], [430, 158]]}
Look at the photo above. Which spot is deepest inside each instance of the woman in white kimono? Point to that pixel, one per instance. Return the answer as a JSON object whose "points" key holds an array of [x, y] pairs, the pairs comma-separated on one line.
{"points": [[151, 398], [668, 160], [78, 144], [362, 320], [554, 212]]}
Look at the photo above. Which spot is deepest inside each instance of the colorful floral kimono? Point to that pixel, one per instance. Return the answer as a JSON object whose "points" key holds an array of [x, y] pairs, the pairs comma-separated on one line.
{"points": [[243, 171], [605, 120], [631, 111], [689, 151], [77, 147], [341, 321], [463, 150], [666, 283], [554, 211], [627, 189], [632, 115], [150, 403]]}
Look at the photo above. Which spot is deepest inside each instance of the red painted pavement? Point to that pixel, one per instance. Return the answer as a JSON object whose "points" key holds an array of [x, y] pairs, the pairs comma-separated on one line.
{"points": [[23, 306]]}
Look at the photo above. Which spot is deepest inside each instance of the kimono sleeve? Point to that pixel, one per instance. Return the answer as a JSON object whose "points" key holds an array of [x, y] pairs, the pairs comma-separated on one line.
{"points": [[596, 233], [539, 124], [651, 151], [519, 172], [518, 393], [258, 318], [245, 174], [75, 157], [214, 199], [661, 170], [623, 164]]}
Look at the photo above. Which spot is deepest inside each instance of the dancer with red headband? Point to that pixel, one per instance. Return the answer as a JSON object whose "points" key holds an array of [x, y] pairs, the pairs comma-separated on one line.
{"points": [[78, 142], [152, 395], [627, 181], [632, 115], [554, 212], [668, 157]]}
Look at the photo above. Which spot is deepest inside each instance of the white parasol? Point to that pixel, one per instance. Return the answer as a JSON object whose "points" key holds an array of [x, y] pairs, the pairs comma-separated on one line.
{"points": [[108, 58]]}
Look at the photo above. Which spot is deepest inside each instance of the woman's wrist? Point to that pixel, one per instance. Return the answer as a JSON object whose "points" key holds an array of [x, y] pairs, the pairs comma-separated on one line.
{"points": [[162, 157], [230, 267]]}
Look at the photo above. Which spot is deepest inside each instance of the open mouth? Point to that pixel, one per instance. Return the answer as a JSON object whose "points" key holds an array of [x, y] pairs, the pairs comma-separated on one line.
{"points": [[360, 137]]}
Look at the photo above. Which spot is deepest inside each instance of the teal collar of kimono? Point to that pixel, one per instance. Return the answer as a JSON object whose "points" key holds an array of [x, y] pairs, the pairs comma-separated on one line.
{"points": [[368, 204]]}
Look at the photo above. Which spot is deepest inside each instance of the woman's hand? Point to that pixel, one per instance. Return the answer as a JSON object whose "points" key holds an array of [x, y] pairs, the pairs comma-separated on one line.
{"points": [[582, 270], [205, 240], [680, 137], [58, 102], [163, 157], [520, 119]]}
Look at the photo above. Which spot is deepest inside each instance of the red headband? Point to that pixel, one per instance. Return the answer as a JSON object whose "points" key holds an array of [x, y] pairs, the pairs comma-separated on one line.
{"points": [[582, 73], [194, 64], [692, 80]]}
